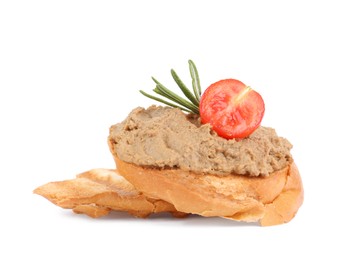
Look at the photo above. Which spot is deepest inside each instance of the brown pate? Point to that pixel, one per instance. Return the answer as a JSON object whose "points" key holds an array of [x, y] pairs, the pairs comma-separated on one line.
{"points": [[165, 137]]}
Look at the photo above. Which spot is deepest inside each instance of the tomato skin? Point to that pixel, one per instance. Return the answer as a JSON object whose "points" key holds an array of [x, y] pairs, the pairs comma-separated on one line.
{"points": [[231, 108]]}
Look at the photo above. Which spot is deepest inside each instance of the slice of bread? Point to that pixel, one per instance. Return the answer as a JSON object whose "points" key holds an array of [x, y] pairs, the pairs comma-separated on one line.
{"points": [[270, 200], [98, 191]]}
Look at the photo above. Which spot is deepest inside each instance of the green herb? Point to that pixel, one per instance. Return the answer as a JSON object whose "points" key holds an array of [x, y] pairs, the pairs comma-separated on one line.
{"points": [[191, 104]]}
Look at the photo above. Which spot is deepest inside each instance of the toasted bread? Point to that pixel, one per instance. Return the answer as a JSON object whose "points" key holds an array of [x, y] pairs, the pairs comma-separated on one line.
{"points": [[98, 191], [270, 200]]}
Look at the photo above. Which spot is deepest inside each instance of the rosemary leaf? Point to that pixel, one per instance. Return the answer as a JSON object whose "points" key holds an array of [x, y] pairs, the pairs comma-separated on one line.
{"points": [[195, 80], [156, 82], [163, 91], [184, 89], [192, 104], [163, 101]]}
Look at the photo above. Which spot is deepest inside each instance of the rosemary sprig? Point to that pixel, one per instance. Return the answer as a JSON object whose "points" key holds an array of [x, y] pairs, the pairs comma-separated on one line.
{"points": [[163, 101], [184, 89], [192, 104], [195, 80]]}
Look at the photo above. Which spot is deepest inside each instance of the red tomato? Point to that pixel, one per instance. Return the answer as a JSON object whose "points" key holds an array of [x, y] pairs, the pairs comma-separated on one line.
{"points": [[233, 109]]}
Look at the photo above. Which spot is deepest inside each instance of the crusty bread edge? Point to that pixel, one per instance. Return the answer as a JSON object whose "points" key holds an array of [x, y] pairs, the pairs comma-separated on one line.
{"points": [[188, 197], [95, 194], [285, 206]]}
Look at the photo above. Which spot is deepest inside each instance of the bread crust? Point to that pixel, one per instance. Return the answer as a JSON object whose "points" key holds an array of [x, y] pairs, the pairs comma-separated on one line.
{"points": [[270, 200], [98, 191]]}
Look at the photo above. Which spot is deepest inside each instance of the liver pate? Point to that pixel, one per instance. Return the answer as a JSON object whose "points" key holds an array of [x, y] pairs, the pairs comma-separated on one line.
{"points": [[166, 137]]}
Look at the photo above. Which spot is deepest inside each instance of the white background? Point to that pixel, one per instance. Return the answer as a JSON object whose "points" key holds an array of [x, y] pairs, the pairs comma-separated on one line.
{"points": [[71, 69]]}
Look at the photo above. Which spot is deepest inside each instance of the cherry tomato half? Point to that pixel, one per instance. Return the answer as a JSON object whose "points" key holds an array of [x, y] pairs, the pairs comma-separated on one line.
{"points": [[233, 109]]}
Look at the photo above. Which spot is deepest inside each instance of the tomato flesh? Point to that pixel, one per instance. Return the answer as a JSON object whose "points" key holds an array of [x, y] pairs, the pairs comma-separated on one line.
{"points": [[233, 109]]}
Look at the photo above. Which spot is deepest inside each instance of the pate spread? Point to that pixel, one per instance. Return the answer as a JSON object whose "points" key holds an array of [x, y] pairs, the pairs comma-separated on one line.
{"points": [[166, 137]]}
